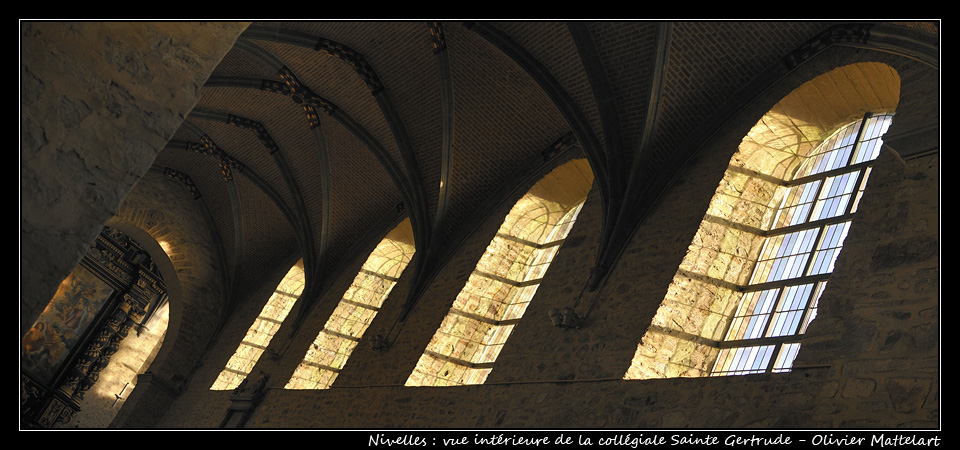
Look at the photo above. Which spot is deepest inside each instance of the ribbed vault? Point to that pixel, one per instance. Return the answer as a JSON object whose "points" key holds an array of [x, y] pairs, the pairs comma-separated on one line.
{"points": [[311, 139]]}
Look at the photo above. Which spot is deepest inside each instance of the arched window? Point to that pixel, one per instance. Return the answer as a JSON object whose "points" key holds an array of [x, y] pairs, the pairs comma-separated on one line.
{"points": [[504, 281], [262, 330], [752, 277], [799, 252], [329, 351]]}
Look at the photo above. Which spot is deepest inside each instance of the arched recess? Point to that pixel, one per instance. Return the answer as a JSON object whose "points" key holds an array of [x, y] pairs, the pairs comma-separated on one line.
{"points": [[169, 219], [148, 350], [161, 252], [346, 326], [505, 280], [159, 210], [688, 331]]}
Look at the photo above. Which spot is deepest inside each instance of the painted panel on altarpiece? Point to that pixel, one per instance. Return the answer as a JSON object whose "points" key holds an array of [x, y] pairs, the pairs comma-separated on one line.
{"points": [[62, 323]]}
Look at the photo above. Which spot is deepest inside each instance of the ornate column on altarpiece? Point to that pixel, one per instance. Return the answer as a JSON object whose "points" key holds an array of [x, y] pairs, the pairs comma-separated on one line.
{"points": [[97, 355]]}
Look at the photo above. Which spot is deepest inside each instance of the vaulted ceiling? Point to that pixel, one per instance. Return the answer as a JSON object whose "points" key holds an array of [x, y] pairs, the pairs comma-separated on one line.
{"points": [[312, 137]]}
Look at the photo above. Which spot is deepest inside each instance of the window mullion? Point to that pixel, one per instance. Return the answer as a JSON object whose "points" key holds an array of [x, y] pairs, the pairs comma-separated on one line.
{"points": [[826, 174], [813, 251], [773, 310], [773, 357], [857, 187], [806, 226], [861, 128], [784, 283], [807, 305]]}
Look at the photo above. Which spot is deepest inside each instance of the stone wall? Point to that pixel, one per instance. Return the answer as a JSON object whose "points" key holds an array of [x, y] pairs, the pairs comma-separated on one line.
{"points": [[86, 87]]}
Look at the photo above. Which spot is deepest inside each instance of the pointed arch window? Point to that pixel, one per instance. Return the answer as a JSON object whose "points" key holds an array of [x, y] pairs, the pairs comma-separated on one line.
{"points": [[799, 252], [505, 280], [357, 308], [261, 332]]}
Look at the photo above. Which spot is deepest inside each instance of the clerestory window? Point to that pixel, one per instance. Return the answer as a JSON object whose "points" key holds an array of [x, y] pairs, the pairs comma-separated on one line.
{"points": [[329, 352], [505, 280], [261, 332], [750, 281], [799, 252]]}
